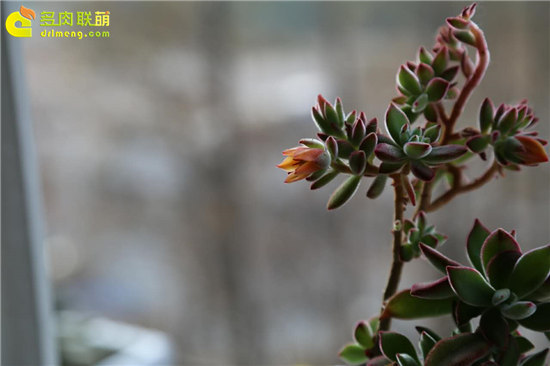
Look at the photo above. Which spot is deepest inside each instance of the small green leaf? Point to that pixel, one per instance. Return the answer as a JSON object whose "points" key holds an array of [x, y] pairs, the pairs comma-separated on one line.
{"points": [[344, 192], [433, 133], [540, 320], [353, 354], [358, 162], [417, 150], [405, 306], [392, 343], [519, 310], [340, 112], [377, 186], [395, 120], [369, 143], [536, 359], [470, 286], [497, 242], [439, 63], [425, 73], [500, 296], [420, 103], [477, 236], [465, 37], [408, 80], [421, 170], [436, 89], [486, 115], [530, 271], [363, 335], [507, 120], [478, 143], [463, 349], [324, 180], [424, 56]]}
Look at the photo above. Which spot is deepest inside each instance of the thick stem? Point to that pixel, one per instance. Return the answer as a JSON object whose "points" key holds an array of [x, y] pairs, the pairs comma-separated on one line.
{"points": [[397, 264], [471, 83]]}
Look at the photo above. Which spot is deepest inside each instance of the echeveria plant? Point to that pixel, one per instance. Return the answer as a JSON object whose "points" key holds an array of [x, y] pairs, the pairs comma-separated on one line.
{"points": [[503, 286]]}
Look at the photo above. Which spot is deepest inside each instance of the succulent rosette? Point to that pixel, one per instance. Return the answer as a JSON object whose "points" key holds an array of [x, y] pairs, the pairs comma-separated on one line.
{"points": [[505, 130], [412, 148]]}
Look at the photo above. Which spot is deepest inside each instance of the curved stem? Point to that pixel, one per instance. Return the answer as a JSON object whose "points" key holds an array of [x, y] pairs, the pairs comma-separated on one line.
{"points": [[459, 188], [482, 63], [397, 264]]}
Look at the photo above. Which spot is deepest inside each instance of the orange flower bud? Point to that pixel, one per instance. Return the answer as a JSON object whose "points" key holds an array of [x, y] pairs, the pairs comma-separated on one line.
{"points": [[302, 161]]}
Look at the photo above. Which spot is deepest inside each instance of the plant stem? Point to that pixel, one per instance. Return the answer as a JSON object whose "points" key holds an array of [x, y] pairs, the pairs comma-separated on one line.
{"points": [[397, 264], [460, 188], [471, 83]]}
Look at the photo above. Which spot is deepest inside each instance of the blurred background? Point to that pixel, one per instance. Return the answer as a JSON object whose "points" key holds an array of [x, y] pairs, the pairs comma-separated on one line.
{"points": [[157, 150]]}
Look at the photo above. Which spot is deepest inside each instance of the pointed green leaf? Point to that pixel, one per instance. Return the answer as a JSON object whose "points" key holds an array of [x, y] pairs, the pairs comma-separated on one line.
{"points": [[369, 143], [392, 343], [440, 60], [460, 350], [530, 271], [344, 192], [497, 242], [395, 120], [470, 286], [436, 89], [477, 236], [486, 115], [363, 335], [425, 73], [353, 354], [437, 259], [405, 306], [433, 133], [408, 80]]}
